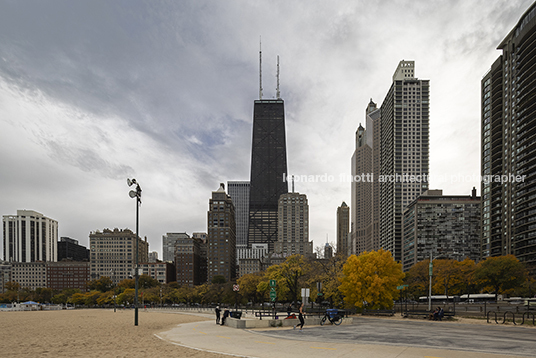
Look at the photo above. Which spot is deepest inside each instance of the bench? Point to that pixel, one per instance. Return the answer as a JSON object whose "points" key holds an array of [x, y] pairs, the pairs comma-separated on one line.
{"points": [[265, 314], [378, 312], [425, 314]]}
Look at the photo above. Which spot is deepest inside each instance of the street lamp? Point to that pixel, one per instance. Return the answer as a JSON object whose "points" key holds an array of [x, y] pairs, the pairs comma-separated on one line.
{"points": [[112, 273], [136, 194], [431, 269]]}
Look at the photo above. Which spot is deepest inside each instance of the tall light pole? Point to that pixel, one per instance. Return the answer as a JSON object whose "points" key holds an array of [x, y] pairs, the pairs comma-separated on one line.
{"points": [[430, 273], [136, 194]]}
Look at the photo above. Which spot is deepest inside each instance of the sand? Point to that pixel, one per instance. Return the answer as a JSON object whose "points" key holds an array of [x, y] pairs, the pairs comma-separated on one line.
{"points": [[91, 333]]}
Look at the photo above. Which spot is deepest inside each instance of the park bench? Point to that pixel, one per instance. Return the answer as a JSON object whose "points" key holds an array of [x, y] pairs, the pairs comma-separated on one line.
{"points": [[424, 314], [367, 312]]}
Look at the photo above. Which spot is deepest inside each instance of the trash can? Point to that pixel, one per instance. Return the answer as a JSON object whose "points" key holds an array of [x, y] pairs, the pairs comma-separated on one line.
{"points": [[236, 314]]}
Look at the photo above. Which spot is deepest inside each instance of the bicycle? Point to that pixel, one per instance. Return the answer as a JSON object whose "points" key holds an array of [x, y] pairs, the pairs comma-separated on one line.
{"points": [[332, 315]]}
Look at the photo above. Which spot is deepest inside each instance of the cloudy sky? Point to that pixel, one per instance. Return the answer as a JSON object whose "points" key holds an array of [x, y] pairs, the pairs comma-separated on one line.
{"points": [[95, 92]]}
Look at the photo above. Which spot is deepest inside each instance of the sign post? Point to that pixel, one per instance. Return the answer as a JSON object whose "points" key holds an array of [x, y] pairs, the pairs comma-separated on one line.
{"points": [[273, 295]]}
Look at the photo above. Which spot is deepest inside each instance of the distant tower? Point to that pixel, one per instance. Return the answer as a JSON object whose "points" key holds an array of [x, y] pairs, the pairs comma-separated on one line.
{"points": [[328, 251], [343, 228], [268, 170], [293, 217], [365, 208], [221, 237]]}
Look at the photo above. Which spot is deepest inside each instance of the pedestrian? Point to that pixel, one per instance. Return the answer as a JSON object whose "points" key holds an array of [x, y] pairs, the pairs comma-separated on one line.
{"points": [[301, 315], [289, 309], [225, 315], [218, 314]]}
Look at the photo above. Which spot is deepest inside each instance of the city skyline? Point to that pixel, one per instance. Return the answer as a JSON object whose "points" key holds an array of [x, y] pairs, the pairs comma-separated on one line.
{"points": [[94, 93]]}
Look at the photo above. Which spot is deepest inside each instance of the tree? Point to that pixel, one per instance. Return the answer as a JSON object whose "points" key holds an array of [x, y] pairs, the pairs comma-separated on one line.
{"points": [[218, 279], [328, 271], [417, 279], [447, 277], [288, 276], [145, 281], [248, 286], [371, 279], [500, 274], [103, 284]]}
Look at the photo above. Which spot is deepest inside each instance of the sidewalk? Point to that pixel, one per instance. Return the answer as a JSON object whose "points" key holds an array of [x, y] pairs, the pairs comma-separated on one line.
{"points": [[208, 337]]}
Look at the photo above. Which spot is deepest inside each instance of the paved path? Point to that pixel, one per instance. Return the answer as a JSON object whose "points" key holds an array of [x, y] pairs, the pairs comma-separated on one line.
{"points": [[368, 337]]}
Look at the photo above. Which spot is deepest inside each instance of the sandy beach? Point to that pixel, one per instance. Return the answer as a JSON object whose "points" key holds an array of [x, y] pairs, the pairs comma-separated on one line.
{"points": [[91, 333]]}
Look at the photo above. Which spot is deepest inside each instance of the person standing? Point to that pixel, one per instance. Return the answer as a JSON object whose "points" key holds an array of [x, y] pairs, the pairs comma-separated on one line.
{"points": [[289, 309], [218, 314]]}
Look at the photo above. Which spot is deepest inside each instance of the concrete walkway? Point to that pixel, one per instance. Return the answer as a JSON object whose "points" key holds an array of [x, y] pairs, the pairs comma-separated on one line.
{"points": [[209, 337]]}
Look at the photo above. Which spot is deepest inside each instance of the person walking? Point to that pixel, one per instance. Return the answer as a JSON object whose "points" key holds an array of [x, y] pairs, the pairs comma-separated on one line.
{"points": [[218, 311], [301, 316]]}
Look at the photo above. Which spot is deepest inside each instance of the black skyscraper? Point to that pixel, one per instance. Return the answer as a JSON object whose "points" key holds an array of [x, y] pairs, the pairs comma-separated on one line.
{"points": [[268, 170]]}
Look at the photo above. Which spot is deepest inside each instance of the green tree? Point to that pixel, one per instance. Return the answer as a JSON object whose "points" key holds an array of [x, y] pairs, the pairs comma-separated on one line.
{"points": [[103, 284], [371, 278], [329, 272], [417, 279], [218, 279], [145, 281], [288, 276], [500, 274]]}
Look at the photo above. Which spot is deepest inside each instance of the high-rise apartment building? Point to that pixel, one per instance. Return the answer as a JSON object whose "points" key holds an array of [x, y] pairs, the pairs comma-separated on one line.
{"points": [[404, 149], [508, 150], [268, 171], [202, 236], [113, 253], [168, 244], [221, 237], [5, 275], [446, 226], [293, 223], [29, 237], [365, 210], [343, 229], [239, 193]]}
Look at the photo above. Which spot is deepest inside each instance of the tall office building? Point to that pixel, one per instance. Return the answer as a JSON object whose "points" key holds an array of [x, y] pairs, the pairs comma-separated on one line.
{"points": [[29, 237], [268, 166], [169, 241], [113, 253], [508, 137], [221, 237], [188, 262], [293, 222], [70, 249], [365, 210], [343, 229], [268, 171], [239, 193], [446, 226], [404, 151]]}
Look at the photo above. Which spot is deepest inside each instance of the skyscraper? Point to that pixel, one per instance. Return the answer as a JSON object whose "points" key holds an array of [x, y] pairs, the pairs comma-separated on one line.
{"points": [[403, 151], [365, 208], [221, 236], [508, 137], [343, 229], [268, 168], [29, 237], [239, 193], [293, 221]]}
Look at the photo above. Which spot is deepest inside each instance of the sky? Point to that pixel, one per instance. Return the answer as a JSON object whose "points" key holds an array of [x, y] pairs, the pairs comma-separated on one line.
{"points": [[95, 92]]}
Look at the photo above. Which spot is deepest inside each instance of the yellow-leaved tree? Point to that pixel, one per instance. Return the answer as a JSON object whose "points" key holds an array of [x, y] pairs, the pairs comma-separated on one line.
{"points": [[370, 280]]}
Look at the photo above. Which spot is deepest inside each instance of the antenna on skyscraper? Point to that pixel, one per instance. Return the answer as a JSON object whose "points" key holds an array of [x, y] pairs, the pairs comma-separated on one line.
{"points": [[292, 181], [260, 68], [278, 96]]}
